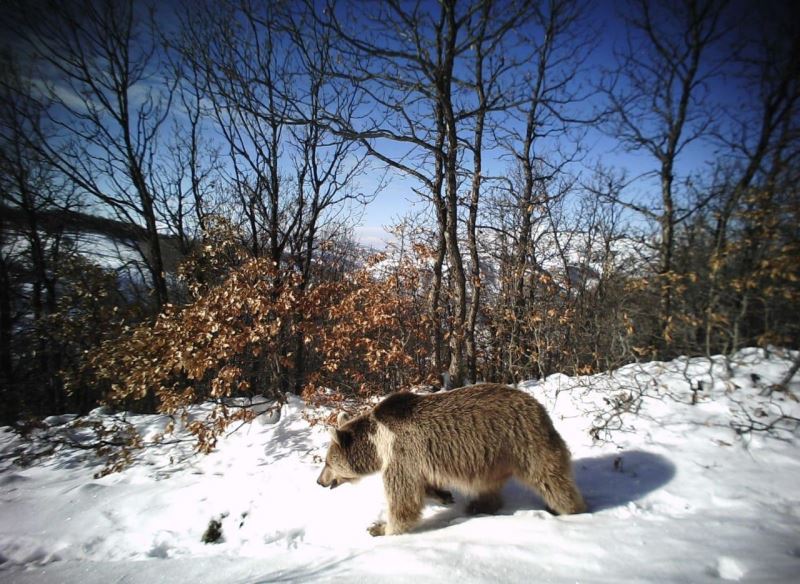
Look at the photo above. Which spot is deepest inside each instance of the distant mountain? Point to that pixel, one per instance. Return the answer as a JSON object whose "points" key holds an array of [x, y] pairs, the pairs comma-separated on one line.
{"points": [[108, 241]]}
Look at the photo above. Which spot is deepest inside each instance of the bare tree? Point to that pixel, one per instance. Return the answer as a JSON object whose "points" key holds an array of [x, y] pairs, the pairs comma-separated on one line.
{"points": [[539, 134], [758, 139], [659, 105], [326, 165], [264, 71], [427, 73], [235, 51], [401, 59], [102, 73], [189, 171], [31, 248], [491, 66]]}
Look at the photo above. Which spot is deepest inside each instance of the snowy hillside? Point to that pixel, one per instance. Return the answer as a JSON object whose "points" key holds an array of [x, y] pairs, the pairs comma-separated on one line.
{"points": [[678, 492]]}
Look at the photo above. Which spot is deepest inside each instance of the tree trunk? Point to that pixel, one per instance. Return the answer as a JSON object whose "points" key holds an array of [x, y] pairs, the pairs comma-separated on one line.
{"points": [[458, 280], [9, 406], [472, 218], [155, 259], [666, 248], [434, 304]]}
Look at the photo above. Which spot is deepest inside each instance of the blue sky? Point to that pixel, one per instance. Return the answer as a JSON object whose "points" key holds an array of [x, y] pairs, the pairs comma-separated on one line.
{"points": [[606, 18]]}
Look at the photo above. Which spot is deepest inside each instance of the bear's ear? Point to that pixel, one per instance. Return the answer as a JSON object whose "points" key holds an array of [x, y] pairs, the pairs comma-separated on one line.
{"points": [[340, 437], [342, 419]]}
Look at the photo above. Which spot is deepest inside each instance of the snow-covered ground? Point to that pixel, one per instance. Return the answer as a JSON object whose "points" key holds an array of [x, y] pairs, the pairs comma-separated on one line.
{"points": [[676, 494]]}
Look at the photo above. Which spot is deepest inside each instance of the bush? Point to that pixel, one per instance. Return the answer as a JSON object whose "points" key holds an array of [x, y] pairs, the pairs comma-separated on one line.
{"points": [[227, 343], [371, 339]]}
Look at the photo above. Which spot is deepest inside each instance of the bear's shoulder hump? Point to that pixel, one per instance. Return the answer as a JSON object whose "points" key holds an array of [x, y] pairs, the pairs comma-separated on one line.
{"points": [[396, 407]]}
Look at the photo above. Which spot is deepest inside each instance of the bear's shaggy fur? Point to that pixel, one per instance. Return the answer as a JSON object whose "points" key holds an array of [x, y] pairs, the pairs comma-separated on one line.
{"points": [[472, 439]]}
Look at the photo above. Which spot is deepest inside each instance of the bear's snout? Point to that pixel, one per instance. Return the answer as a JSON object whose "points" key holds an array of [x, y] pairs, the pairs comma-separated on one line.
{"points": [[327, 480]]}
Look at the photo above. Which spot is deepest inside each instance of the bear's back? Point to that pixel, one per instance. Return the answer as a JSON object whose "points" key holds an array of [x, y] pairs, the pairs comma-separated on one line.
{"points": [[466, 431], [472, 403]]}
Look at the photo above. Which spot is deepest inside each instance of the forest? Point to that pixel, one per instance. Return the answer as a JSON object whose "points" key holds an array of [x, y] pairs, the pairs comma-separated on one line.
{"points": [[594, 184]]}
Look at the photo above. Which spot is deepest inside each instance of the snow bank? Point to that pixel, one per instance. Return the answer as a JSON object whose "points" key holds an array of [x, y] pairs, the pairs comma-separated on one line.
{"points": [[679, 490]]}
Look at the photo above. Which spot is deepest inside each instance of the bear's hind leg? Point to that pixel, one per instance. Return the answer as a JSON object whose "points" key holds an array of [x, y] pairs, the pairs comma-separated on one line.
{"points": [[553, 480]]}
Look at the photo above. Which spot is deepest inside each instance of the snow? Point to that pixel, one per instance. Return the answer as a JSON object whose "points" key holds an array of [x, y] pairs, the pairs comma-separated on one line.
{"points": [[676, 494]]}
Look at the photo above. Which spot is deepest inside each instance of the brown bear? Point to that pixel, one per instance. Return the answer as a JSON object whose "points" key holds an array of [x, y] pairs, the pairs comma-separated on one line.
{"points": [[472, 439]]}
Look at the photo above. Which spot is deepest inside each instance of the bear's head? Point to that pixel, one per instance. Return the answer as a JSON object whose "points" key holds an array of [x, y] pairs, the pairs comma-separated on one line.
{"points": [[351, 454]]}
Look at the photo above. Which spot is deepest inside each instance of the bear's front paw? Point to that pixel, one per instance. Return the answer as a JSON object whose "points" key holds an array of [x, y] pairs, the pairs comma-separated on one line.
{"points": [[377, 528]]}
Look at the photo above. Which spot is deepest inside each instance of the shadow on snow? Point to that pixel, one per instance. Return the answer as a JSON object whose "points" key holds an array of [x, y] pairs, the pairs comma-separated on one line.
{"points": [[615, 480]]}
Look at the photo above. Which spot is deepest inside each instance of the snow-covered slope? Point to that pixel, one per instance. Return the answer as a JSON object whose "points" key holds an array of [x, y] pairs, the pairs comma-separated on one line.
{"points": [[676, 495]]}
